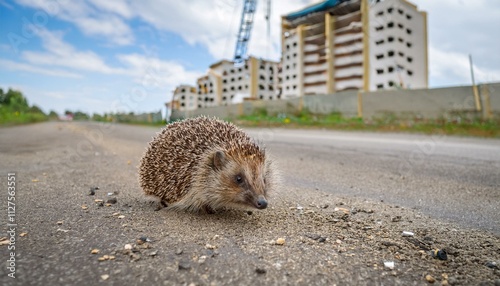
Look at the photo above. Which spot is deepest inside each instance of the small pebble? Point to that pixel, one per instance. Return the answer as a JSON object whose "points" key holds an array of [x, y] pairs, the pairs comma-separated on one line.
{"points": [[23, 234], [209, 246], [105, 277], [92, 190], [121, 216], [429, 278], [439, 254], [60, 222], [111, 201], [135, 256], [179, 251], [128, 246], [202, 259], [280, 241], [322, 239], [407, 233], [183, 265], [260, 270], [389, 264], [84, 207], [344, 210], [491, 264], [396, 218], [94, 251]]}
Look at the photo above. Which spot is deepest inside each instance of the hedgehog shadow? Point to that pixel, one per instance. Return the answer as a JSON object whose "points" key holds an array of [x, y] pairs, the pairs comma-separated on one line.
{"points": [[227, 217]]}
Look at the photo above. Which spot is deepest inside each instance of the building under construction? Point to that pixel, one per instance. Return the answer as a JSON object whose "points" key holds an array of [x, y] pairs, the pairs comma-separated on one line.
{"points": [[327, 47], [226, 83], [353, 44]]}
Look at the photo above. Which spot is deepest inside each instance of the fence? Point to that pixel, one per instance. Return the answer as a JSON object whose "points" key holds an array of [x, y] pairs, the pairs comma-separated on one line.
{"points": [[416, 103]]}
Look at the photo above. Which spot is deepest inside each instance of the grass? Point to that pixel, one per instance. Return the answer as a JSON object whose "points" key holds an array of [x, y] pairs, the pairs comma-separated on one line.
{"points": [[386, 123], [8, 117]]}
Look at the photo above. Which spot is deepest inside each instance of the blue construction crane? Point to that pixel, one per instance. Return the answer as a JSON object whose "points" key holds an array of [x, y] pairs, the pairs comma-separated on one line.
{"points": [[244, 33]]}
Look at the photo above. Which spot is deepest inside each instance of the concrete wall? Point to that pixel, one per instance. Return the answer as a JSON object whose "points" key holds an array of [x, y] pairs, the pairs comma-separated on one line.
{"points": [[421, 103], [490, 95]]}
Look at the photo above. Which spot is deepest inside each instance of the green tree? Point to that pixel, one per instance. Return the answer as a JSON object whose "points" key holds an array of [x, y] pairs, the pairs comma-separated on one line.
{"points": [[53, 115], [15, 100], [78, 115], [36, 109]]}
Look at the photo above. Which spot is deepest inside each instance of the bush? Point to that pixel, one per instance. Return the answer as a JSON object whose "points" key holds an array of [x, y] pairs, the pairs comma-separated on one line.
{"points": [[14, 109]]}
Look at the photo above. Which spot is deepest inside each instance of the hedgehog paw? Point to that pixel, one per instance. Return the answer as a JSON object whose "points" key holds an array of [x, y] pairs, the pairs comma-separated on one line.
{"points": [[161, 205]]}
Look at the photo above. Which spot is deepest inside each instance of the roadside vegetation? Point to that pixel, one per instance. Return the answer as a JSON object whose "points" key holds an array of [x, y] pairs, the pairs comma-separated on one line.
{"points": [[454, 125], [14, 109]]}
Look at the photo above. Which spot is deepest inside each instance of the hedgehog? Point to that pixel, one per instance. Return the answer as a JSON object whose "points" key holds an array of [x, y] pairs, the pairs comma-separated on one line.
{"points": [[204, 164]]}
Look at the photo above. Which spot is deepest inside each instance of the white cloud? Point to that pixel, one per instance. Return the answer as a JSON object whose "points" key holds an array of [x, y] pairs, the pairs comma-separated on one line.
{"points": [[453, 68], [99, 20], [119, 7], [15, 66], [153, 72], [458, 28], [147, 70], [60, 53]]}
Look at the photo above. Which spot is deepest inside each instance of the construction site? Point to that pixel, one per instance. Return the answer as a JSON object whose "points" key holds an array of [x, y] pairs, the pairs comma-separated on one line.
{"points": [[332, 46]]}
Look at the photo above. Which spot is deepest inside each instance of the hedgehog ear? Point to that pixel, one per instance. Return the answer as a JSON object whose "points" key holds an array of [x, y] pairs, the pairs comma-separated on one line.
{"points": [[219, 160]]}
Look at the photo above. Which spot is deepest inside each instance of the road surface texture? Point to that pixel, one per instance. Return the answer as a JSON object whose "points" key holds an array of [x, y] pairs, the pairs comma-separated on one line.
{"points": [[338, 218]]}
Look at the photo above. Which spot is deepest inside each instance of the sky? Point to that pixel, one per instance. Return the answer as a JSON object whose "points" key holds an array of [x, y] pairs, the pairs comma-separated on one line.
{"points": [[127, 56]]}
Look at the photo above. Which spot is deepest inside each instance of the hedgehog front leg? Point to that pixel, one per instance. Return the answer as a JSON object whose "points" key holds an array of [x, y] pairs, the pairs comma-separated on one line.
{"points": [[208, 209], [161, 205]]}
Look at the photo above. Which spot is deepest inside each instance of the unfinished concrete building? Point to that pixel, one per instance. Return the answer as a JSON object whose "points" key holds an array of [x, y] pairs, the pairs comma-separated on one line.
{"points": [[353, 44], [186, 96], [254, 79], [226, 84], [209, 89]]}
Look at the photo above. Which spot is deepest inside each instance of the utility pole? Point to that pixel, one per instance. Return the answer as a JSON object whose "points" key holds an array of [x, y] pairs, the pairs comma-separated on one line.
{"points": [[474, 87], [268, 19]]}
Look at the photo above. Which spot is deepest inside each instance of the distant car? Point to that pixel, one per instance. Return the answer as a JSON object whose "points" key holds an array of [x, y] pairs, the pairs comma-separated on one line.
{"points": [[66, 117]]}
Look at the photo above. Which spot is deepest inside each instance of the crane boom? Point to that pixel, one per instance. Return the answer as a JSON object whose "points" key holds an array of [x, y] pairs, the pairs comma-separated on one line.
{"points": [[245, 28]]}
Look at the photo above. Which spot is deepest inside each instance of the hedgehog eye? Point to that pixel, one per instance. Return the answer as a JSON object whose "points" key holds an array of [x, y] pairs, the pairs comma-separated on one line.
{"points": [[239, 179]]}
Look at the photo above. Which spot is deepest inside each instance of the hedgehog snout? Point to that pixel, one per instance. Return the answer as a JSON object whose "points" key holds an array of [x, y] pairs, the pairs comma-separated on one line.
{"points": [[261, 203]]}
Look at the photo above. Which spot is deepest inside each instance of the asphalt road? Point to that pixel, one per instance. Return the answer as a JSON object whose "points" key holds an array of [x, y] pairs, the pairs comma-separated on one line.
{"points": [[451, 178], [345, 199]]}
